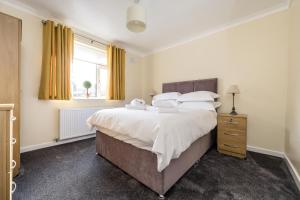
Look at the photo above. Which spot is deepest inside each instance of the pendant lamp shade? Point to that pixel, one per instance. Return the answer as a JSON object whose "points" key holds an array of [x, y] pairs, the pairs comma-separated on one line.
{"points": [[136, 18]]}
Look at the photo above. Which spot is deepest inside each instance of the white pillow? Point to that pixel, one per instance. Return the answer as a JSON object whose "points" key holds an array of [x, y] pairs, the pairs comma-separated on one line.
{"points": [[167, 96], [199, 105], [198, 96], [165, 103]]}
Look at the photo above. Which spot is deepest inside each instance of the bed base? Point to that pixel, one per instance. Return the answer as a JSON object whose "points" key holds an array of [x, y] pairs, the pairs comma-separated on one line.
{"points": [[142, 164]]}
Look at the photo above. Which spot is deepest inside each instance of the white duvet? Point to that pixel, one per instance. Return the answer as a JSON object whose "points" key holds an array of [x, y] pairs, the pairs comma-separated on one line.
{"points": [[169, 134]]}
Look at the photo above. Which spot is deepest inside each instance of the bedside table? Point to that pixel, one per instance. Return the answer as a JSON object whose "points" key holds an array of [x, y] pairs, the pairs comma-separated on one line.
{"points": [[232, 134]]}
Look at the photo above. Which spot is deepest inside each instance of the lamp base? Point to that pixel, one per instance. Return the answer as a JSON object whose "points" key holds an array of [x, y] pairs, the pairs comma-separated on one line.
{"points": [[233, 112], [233, 107]]}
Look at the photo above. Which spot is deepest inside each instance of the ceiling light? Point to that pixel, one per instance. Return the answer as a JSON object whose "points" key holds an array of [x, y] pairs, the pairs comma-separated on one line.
{"points": [[136, 18]]}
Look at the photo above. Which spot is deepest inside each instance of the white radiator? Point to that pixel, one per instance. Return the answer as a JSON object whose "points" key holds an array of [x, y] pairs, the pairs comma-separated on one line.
{"points": [[72, 122]]}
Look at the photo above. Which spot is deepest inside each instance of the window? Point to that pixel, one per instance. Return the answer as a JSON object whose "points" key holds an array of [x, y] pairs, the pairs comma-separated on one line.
{"points": [[89, 65]]}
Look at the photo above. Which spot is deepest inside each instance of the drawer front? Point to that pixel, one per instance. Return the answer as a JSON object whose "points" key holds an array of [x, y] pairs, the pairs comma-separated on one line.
{"points": [[235, 142], [232, 135], [235, 148], [232, 123]]}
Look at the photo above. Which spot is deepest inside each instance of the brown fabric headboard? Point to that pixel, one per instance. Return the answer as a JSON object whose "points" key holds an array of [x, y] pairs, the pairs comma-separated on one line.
{"points": [[192, 86]]}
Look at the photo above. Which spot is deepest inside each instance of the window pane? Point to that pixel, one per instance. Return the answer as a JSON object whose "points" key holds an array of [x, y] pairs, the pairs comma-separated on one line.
{"points": [[83, 71], [89, 64], [103, 81], [89, 54]]}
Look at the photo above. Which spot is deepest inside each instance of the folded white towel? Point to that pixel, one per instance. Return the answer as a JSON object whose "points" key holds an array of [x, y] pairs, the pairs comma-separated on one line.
{"points": [[137, 102], [135, 107]]}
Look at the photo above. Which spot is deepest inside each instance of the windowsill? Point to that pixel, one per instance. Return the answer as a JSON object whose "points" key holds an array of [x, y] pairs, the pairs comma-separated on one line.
{"points": [[90, 98]]}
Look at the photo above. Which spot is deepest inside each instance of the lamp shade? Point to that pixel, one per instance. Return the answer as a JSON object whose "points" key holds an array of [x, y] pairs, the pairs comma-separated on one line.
{"points": [[136, 18], [152, 93], [233, 89]]}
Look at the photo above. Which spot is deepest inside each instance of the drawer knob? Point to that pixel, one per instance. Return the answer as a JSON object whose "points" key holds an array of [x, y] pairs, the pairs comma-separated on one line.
{"points": [[14, 164], [13, 141], [14, 187], [231, 146]]}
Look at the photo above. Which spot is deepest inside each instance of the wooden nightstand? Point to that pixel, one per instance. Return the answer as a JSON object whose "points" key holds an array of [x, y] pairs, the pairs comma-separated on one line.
{"points": [[232, 134]]}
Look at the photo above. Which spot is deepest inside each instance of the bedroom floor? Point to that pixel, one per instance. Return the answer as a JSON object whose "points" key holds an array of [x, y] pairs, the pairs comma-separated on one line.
{"points": [[74, 171]]}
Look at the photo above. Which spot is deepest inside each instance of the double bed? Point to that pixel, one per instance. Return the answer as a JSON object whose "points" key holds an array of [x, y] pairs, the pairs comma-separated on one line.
{"points": [[158, 170]]}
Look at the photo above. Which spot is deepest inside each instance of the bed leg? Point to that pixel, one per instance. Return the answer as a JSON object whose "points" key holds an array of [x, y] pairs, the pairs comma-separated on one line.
{"points": [[161, 196]]}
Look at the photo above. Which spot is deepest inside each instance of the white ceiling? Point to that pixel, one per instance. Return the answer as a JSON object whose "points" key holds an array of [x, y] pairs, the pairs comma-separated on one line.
{"points": [[169, 22]]}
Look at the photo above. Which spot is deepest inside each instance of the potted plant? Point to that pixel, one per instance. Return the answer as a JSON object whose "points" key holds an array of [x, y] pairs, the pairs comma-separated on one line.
{"points": [[87, 85]]}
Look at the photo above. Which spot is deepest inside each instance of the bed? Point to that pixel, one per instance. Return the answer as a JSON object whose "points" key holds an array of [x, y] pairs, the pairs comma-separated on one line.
{"points": [[142, 164]]}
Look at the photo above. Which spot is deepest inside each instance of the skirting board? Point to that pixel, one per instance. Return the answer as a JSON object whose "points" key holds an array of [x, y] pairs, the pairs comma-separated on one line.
{"points": [[265, 151], [54, 143], [293, 170]]}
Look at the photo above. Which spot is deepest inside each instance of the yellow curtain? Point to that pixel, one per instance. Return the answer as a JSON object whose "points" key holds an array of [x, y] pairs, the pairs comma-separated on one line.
{"points": [[116, 73], [58, 44]]}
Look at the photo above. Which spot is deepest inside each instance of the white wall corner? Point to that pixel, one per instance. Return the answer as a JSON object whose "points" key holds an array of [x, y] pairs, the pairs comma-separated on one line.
{"points": [[293, 171], [290, 2]]}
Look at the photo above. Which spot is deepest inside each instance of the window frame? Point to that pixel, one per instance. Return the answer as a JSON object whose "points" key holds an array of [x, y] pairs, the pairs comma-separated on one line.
{"points": [[98, 72], [98, 69]]}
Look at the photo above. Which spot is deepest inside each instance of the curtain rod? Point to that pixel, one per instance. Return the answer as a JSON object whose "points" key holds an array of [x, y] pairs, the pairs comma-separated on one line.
{"points": [[83, 36], [92, 40]]}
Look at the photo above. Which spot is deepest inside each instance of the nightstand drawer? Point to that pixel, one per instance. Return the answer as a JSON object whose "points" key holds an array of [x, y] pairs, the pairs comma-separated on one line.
{"points": [[232, 147], [232, 123], [232, 135]]}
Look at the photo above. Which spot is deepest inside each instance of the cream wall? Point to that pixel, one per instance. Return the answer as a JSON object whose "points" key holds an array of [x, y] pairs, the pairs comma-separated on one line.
{"points": [[253, 55], [293, 100], [39, 119]]}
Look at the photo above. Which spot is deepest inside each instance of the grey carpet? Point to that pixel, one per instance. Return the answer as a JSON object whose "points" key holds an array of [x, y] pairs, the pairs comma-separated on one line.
{"points": [[73, 171]]}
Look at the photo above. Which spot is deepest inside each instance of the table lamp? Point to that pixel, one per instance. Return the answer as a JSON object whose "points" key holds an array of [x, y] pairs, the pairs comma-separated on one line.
{"points": [[233, 89], [152, 93]]}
